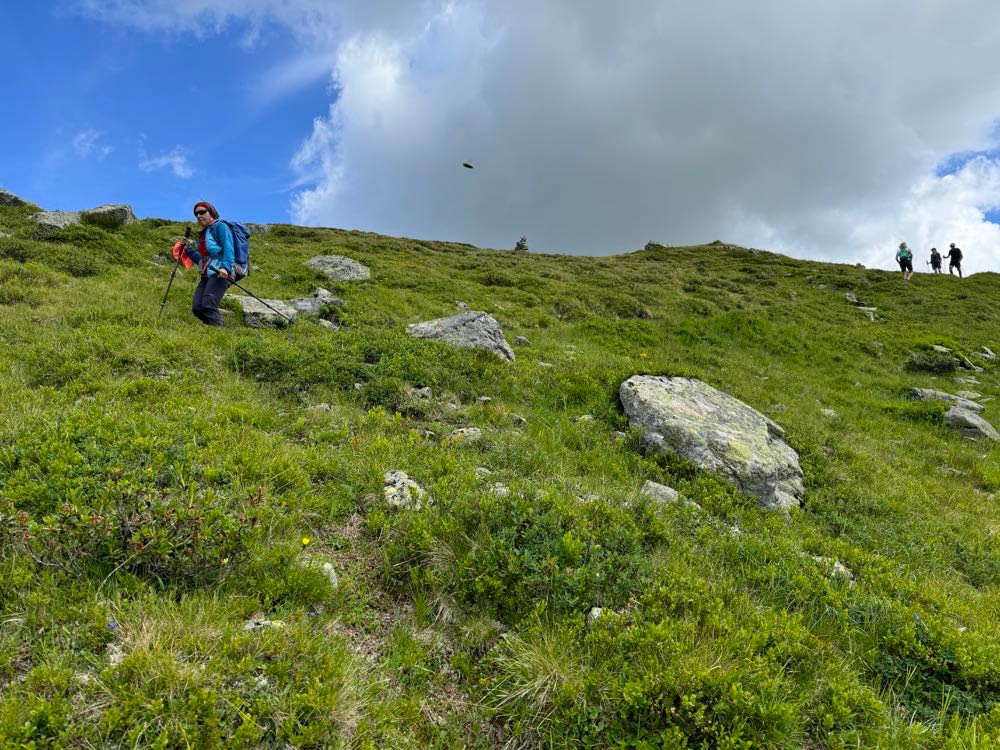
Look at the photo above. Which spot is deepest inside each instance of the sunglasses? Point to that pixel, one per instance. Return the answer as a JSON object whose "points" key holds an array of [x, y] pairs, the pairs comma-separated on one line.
{"points": [[201, 212]]}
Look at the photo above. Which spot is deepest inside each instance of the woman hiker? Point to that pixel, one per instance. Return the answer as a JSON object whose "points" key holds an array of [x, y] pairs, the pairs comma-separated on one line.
{"points": [[215, 257], [905, 259]]}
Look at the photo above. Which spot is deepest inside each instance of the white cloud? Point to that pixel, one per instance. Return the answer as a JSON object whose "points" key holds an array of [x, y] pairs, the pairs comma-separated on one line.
{"points": [[86, 144], [811, 129], [176, 161]]}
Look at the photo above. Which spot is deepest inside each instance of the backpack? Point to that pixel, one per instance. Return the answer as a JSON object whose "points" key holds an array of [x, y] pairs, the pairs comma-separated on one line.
{"points": [[905, 254], [241, 246]]}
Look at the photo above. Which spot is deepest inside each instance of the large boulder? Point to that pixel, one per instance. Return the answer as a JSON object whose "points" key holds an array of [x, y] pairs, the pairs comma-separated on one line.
{"points": [[339, 268], [56, 219], [110, 216], [970, 424], [7, 198], [256, 314], [929, 394], [716, 432], [471, 329]]}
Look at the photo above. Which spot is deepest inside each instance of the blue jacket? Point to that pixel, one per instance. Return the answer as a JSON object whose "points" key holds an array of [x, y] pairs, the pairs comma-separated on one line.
{"points": [[218, 241]]}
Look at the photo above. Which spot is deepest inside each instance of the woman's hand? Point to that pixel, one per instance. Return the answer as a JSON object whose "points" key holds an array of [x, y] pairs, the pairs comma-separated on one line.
{"points": [[223, 274]]}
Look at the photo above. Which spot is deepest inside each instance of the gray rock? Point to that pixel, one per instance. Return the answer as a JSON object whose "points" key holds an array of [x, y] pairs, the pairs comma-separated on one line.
{"points": [[402, 492], [929, 394], [617, 436], [56, 219], [584, 418], [484, 400], [659, 492], [595, 613], [518, 420], [849, 296], [329, 324], [829, 414], [110, 216], [323, 407], [716, 432], [835, 568], [482, 471], [258, 228], [469, 329], [423, 393], [465, 435], [870, 312], [7, 198], [965, 364], [986, 353], [970, 424], [461, 305], [971, 395], [339, 268], [967, 381], [941, 349], [521, 341], [546, 365], [499, 490], [258, 315]]}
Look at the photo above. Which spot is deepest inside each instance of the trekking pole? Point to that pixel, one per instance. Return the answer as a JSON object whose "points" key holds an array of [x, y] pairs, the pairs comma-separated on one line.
{"points": [[187, 235]]}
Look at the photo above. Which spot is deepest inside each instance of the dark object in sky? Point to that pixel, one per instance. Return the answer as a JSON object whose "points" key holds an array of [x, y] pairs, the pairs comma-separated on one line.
{"points": [[467, 165]]}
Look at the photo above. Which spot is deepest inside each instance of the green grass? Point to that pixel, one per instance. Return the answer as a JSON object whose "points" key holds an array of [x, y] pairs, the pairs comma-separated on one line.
{"points": [[159, 480]]}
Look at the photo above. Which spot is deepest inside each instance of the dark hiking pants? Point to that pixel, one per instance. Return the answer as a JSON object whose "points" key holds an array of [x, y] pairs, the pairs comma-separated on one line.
{"points": [[207, 297]]}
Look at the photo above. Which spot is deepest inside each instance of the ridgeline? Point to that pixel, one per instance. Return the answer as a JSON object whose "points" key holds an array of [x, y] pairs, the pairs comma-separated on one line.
{"points": [[341, 535]]}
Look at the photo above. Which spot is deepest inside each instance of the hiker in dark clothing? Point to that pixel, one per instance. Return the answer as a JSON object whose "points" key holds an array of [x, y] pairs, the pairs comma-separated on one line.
{"points": [[215, 257], [956, 260], [935, 260], [905, 259]]}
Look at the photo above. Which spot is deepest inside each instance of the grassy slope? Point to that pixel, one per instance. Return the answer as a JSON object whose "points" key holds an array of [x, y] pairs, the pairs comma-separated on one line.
{"points": [[158, 479]]}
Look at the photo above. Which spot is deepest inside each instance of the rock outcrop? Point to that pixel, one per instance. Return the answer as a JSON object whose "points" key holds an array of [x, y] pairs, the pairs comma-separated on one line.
{"points": [[7, 198], [970, 424], [339, 268], [929, 394], [110, 216], [56, 219], [474, 330], [716, 432], [258, 315]]}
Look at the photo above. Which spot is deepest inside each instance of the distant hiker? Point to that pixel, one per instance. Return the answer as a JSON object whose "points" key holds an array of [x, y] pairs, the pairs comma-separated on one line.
{"points": [[956, 260], [215, 257], [905, 259], [935, 260]]}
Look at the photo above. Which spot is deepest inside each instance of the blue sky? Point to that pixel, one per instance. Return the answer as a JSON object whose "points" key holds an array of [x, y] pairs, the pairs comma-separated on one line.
{"points": [[816, 130], [110, 114]]}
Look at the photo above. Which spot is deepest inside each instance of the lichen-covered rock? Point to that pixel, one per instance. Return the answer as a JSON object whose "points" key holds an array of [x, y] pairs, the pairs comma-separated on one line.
{"points": [[256, 314], [110, 216], [312, 305], [970, 424], [56, 219], [339, 268], [929, 394], [402, 492], [471, 329], [660, 492], [464, 435], [716, 432], [7, 198]]}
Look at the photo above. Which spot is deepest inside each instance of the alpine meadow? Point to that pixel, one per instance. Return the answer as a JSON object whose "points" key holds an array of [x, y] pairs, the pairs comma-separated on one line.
{"points": [[335, 534]]}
